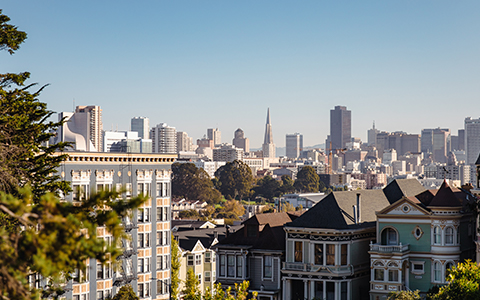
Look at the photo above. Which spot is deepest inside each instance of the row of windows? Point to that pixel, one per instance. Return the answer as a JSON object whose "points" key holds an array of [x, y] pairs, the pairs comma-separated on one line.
{"points": [[143, 265], [163, 213], [231, 266], [102, 295], [163, 262], [447, 236], [324, 253], [82, 191], [104, 271], [163, 238], [197, 259]]}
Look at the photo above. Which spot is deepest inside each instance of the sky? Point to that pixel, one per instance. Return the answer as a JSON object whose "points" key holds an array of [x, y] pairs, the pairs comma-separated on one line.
{"points": [[201, 64]]}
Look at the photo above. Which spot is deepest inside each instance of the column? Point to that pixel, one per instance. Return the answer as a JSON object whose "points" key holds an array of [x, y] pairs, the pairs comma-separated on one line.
{"points": [[312, 290], [305, 290]]}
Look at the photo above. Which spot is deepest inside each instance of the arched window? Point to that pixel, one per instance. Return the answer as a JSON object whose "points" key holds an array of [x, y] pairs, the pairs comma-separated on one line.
{"points": [[437, 235], [448, 266], [437, 272], [449, 236], [389, 236]]}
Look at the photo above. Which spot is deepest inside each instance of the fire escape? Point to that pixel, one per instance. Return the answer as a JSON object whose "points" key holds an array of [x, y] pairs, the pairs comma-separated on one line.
{"points": [[125, 273]]}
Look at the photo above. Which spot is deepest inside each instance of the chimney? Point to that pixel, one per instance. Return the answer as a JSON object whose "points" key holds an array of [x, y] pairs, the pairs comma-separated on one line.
{"points": [[215, 234], [354, 214], [359, 219]]}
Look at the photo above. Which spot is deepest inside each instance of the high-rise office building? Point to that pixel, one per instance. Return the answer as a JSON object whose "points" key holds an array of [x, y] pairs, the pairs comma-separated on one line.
{"points": [[240, 141], [293, 145], [164, 139], [461, 139], [142, 126], [215, 135], [372, 135], [340, 127], [84, 128], [268, 146], [436, 142], [472, 139]]}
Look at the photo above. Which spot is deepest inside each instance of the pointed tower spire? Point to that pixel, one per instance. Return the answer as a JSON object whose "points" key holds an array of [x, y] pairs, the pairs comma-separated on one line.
{"points": [[268, 146]]}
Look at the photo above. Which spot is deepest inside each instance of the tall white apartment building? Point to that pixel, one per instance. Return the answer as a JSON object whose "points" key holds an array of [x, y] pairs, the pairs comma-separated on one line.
{"points": [[294, 145], [227, 153], [184, 142], [472, 140], [141, 125], [145, 261], [164, 139], [83, 128], [215, 135]]}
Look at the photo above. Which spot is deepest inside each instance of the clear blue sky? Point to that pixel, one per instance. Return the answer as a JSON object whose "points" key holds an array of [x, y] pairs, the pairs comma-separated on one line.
{"points": [[197, 64]]}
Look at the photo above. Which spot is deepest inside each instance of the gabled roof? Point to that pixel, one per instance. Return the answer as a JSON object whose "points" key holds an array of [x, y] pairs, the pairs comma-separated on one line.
{"points": [[478, 160], [399, 188], [271, 235], [445, 197], [336, 210], [413, 201], [207, 237]]}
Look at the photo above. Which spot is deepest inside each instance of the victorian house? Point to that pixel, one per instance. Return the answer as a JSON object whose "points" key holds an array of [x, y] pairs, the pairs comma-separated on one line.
{"points": [[254, 253], [419, 239], [327, 247]]}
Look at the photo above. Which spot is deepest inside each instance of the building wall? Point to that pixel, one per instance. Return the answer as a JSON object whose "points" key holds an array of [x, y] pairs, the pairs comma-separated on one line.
{"points": [[137, 174]]}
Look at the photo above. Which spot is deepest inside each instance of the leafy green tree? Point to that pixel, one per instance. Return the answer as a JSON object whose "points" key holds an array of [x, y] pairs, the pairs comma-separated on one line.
{"points": [[287, 185], [307, 180], [286, 207], [175, 265], [126, 293], [404, 295], [267, 187], [189, 214], [234, 179], [191, 290], [193, 183], [464, 283], [39, 233]]}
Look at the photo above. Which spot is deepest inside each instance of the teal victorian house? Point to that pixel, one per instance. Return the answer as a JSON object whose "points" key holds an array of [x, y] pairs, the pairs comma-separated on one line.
{"points": [[419, 238]]}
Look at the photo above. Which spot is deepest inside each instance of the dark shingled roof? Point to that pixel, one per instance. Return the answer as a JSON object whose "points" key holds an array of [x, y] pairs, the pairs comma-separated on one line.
{"points": [[271, 235], [188, 239], [399, 188], [336, 210], [445, 197], [478, 160]]}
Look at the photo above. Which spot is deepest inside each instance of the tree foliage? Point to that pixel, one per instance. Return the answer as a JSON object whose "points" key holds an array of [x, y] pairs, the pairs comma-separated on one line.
{"points": [[126, 293], [287, 185], [267, 187], [193, 183], [38, 232], [191, 290], [175, 265], [404, 295], [234, 179], [307, 180], [464, 283]]}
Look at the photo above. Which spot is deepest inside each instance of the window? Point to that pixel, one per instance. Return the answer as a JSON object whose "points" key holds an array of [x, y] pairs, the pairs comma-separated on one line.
{"points": [[343, 290], [230, 265], [159, 287], [448, 267], [99, 271], [165, 214], [108, 270], [417, 268], [298, 251], [147, 239], [140, 189], [437, 272], [207, 276], [389, 236], [239, 266], [159, 262], [344, 254], [80, 192], [190, 260], [199, 276], [318, 254], [267, 267], [128, 189], [159, 189], [140, 238], [330, 254], [140, 290], [198, 259], [437, 235], [449, 236], [100, 295], [207, 257], [222, 265], [108, 294], [159, 213], [146, 215], [159, 238], [393, 275], [140, 215], [165, 238], [140, 264], [379, 273], [147, 289]]}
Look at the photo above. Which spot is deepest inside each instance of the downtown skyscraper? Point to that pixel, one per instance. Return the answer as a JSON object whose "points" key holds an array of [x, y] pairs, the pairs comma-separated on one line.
{"points": [[340, 127], [268, 146]]}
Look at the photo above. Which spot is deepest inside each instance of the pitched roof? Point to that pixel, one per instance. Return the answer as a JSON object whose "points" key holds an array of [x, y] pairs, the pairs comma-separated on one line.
{"points": [[336, 210], [188, 239], [445, 197], [399, 188], [271, 234], [478, 160]]}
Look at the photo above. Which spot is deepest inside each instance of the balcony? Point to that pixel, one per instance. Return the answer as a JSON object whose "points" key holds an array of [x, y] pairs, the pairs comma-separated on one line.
{"points": [[307, 267], [389, 249], [388, 287]]}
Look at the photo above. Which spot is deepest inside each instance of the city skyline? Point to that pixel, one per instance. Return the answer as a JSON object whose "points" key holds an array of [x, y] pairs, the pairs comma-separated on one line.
{"points": [[197, 65]]}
